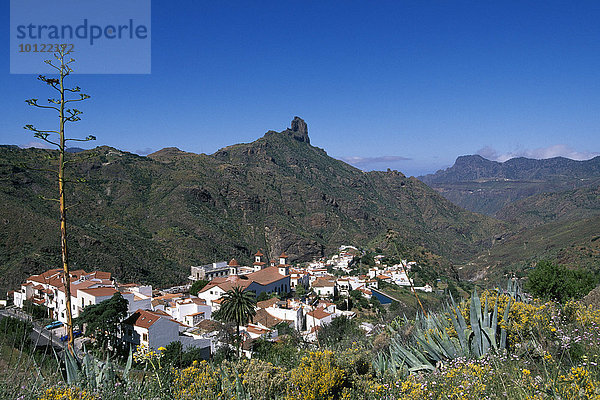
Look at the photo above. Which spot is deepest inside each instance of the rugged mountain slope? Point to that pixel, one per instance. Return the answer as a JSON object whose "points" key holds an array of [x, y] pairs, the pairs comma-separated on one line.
{"points": [[574, 243], [560, 226], [149, 218], [485, 186], [543, 208]]}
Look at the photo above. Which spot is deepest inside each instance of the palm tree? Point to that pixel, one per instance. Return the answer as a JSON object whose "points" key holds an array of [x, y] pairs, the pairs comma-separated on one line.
{"points": [[237, 307]]}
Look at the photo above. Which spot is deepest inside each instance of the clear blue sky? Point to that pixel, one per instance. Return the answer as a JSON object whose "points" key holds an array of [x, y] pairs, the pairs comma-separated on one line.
{"points": [[408, 85]]}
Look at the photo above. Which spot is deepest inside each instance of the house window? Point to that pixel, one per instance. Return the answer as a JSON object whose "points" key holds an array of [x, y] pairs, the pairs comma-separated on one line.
{"points": [[82, 303], [145, 337]]}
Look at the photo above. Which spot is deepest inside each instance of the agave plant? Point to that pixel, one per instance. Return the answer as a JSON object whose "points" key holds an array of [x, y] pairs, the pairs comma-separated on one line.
{"points": [[431, 343], [94, 373]]}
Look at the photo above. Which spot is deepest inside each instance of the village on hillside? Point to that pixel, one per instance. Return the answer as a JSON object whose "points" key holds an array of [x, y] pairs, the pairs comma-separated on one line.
{"points": [[300, 297]]}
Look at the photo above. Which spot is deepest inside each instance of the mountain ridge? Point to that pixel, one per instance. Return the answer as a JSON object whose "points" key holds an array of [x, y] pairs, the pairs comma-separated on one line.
{"points": [[472, 167], [481, 185], [149, 218]]}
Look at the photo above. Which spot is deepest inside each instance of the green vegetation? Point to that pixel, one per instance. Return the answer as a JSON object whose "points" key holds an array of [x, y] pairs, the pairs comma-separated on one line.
{"points": [[197, 286], [493, 346], [148, 218], [555, 282], [300, 291], [24, 359], [566, 242], [102, 321], [237, 307], [36, 311], [341, 333], [286, 352], [179, 358]]}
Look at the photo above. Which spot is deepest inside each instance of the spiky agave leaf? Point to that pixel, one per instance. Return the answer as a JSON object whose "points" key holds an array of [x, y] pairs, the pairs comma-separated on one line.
{"points": [[71, 367], [128, 365], [89, 371]]}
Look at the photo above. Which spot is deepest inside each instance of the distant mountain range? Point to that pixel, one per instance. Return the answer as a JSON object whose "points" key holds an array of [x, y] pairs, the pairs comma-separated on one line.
{"points": [[150, 218], [485, 186], [552, 207]]}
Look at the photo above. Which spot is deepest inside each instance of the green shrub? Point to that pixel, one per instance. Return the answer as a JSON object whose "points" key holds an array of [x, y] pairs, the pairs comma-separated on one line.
{"points": [[550, 281], [197, 286]]}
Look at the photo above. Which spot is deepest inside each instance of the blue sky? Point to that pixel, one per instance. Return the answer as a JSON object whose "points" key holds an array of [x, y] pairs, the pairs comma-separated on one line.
{"points": [[407, 85]]}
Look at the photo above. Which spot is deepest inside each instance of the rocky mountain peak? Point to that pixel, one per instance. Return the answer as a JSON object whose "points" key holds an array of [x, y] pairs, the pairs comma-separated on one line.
{"points": [[299, 130]]}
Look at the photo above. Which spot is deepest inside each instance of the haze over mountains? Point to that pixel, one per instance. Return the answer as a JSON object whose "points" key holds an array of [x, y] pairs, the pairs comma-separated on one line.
{"points": [[150, 218]]}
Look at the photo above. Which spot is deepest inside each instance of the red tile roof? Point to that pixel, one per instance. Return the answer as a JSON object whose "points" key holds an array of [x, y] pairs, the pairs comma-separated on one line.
{"points": [[100, 291], [144, 318], [323, 282], [263, 277], [267, 303], [233, 263], [228, 283], [257, 330], [265, 319], [319, 313], [266, 276], [102, 275], [78, 286]]}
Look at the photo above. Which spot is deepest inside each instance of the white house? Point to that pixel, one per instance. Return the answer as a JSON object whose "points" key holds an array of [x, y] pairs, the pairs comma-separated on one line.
{"points": [[298, 276], [92, 296], [194, 319], [324, 286], [152, 329], [272, 279], [318, 318], [155, 329], [343, 286], [189, 311], [48, 290], [87, 288], [284, 311]]}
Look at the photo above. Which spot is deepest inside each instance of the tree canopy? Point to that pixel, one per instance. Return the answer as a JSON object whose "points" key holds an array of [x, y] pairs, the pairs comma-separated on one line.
{"points": [[197, 286], [102, 321], [237, 307], [550, 281], [340, 333]]}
